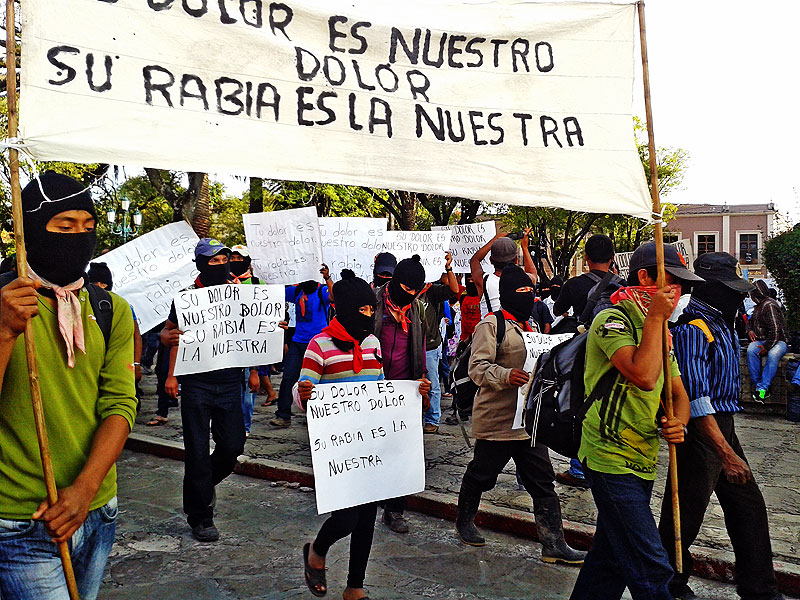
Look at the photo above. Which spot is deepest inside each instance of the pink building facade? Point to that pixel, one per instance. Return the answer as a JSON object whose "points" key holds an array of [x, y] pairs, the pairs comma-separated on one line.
{"points": [[741, 230]]}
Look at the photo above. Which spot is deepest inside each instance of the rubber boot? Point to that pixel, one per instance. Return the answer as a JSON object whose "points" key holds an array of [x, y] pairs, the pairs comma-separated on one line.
{"points": [[468, 503], [551, 533]]}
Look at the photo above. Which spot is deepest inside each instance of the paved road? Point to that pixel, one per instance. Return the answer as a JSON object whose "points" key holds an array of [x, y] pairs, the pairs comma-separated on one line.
{"points": [[771, 444], [263, 528]]}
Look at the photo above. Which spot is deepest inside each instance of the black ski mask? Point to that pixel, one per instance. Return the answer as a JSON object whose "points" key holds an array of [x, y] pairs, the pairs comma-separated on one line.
{"points": [[60, 258], [239, 267], [212, 274], [381, 279], [410, 273], [556, 283], [350, 294], [519, 304], [472, 289], [309, 287], [720, 296]]}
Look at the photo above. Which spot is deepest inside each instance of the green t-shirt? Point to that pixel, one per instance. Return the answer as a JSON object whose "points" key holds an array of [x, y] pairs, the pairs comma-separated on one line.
{"points": [[75, 401], [620, 434]]}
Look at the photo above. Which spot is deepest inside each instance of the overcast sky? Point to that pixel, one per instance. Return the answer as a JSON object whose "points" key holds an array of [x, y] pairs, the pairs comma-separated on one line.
{"points": [[724, 82]]}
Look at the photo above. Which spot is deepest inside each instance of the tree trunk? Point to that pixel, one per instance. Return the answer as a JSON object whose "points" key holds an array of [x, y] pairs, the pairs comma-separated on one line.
{"points": [[408, 210], [199, 203], [256, 195]]}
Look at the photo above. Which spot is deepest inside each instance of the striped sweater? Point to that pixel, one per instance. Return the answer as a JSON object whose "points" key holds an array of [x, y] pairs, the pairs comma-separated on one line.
{"points": [[325, 363]]}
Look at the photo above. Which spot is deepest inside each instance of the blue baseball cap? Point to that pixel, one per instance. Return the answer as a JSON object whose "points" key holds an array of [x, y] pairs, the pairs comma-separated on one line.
{"points": [[210, 247]]}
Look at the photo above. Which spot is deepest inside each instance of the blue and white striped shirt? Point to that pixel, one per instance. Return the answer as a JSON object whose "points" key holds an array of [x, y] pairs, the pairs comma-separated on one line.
{"points": [[709, 370]]}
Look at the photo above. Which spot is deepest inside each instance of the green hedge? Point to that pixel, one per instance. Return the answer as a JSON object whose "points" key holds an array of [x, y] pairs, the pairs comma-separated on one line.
{"points": [[782, 258]]}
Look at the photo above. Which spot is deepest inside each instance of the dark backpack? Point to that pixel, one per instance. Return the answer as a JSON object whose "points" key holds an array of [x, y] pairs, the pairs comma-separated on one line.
{"points": [[555, 406], [461, 386], [599, 297], [100, 300]]}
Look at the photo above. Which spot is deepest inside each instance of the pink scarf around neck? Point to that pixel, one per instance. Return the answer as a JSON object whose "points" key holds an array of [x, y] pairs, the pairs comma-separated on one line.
{"points": [[69, 315]]}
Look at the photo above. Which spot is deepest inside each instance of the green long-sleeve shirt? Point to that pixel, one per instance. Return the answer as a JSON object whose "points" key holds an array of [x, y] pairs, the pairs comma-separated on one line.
{"points": [[76, 401]]}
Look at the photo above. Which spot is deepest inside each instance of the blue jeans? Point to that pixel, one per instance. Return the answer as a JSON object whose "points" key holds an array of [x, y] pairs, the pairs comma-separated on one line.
{"points": [[248, 402], [432, 358], [219, 405], [761, 379], [292, 365], [627, 550], [30, 565]]}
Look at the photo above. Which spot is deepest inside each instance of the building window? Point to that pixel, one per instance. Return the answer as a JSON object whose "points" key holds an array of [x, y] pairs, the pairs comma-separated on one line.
{"points": [[706, 242], [748, 248], [671, 237]]}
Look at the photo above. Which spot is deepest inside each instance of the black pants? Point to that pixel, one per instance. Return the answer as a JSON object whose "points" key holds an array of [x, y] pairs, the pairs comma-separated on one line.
{"points": [[533, 467], [165, 401], [700, 474], [359, 523], [221, 406]]}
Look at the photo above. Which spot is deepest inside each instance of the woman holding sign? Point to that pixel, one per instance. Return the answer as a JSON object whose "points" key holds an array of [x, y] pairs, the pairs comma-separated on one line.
{"points": [[345, 351]]}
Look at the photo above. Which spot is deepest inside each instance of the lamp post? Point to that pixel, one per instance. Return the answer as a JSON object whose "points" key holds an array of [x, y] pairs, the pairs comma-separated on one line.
{"points": [[124, 229]]}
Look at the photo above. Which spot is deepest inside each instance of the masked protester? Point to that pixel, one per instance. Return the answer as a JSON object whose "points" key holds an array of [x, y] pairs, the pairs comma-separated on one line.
{"points": [[400, 327], [767, 332], [211, 403], [711, 459], [88, 387], [382, 271], [312, 305], [498, 372], [345, 351], [620, 438]]}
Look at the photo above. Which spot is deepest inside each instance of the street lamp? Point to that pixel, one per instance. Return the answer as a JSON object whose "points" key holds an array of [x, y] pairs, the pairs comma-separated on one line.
{"points": [[124, 229]]}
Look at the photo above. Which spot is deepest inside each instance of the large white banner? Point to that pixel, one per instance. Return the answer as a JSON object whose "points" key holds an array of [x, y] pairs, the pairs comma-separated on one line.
{"points": [[536, 344], [229, 326], [285, 245], [466, 240], [149, 270], [366, 442], [498, 100], [351, 243], [431, 247]]}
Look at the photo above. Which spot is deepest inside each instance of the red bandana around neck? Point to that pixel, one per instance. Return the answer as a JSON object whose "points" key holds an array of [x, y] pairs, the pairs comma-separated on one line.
{"points": [[404, 320], [509, 317], [337, 330], [640, 295]]}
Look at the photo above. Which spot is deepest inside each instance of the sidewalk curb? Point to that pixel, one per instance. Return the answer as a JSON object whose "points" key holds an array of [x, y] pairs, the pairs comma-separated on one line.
{"points": [[709, 563]]}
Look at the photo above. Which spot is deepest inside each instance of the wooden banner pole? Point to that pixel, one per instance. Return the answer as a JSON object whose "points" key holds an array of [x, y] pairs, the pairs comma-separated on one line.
{"points": [[659, 239], [22, 271]]}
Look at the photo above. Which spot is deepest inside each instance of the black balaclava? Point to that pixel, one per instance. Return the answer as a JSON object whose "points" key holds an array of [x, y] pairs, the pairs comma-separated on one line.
{"points": [[410, 273], [556, 283], [60, 258], [309, 287], [213, 274], [720, 296], [519, 304], [100, 273], [239, 267], [472, 289], [349, 294], [381, 279]]}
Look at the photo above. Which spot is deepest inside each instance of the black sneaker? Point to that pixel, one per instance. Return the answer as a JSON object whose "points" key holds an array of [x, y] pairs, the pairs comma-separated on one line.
{"points": [[682, 592], [396, 521], [205, 532]]}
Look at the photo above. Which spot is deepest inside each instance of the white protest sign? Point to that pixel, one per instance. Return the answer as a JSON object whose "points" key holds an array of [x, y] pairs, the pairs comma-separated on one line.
{"points": [[366, 442], [149, 270], [466, 240], [536, 344], [229, 326], [622, 260], [351, 243], [285, 245], [430, 245], [498, 101]]}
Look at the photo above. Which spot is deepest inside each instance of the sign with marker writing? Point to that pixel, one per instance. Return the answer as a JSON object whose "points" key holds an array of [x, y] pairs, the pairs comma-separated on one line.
{"points": [[351, 243], [229, 326], [536, 344], [466, 240], [149, 270], [366, 442], [430, 245], [498, 101], [285, 245], [623, 259]]}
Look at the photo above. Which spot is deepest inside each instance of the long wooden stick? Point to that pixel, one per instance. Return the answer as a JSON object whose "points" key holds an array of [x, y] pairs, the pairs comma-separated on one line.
{"points": [[662, 277], [22, 271]]}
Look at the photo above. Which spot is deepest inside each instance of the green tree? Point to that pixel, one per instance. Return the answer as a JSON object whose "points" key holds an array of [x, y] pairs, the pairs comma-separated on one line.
{"points": [[782, 258]]}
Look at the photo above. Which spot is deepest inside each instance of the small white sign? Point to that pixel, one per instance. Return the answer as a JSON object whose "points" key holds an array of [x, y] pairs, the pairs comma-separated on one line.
{"points": [[536, 344], [430, 245], [351, 243], [366, 442], [285, 245], [229, 326], [466, 240]]}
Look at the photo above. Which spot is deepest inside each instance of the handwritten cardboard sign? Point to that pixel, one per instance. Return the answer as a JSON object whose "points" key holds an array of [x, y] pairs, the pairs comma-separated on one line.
{"points": [[430, 245], [536, 344], [684, 247], [229, 326], [285, 245], [466, 240], [351, 243], [149, 270], [366, 442]]}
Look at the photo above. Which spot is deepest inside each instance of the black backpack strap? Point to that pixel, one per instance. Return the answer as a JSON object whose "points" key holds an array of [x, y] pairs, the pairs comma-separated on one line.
{"points": [[486, 293], [103, 308], [594, 295], [501, 328]]}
